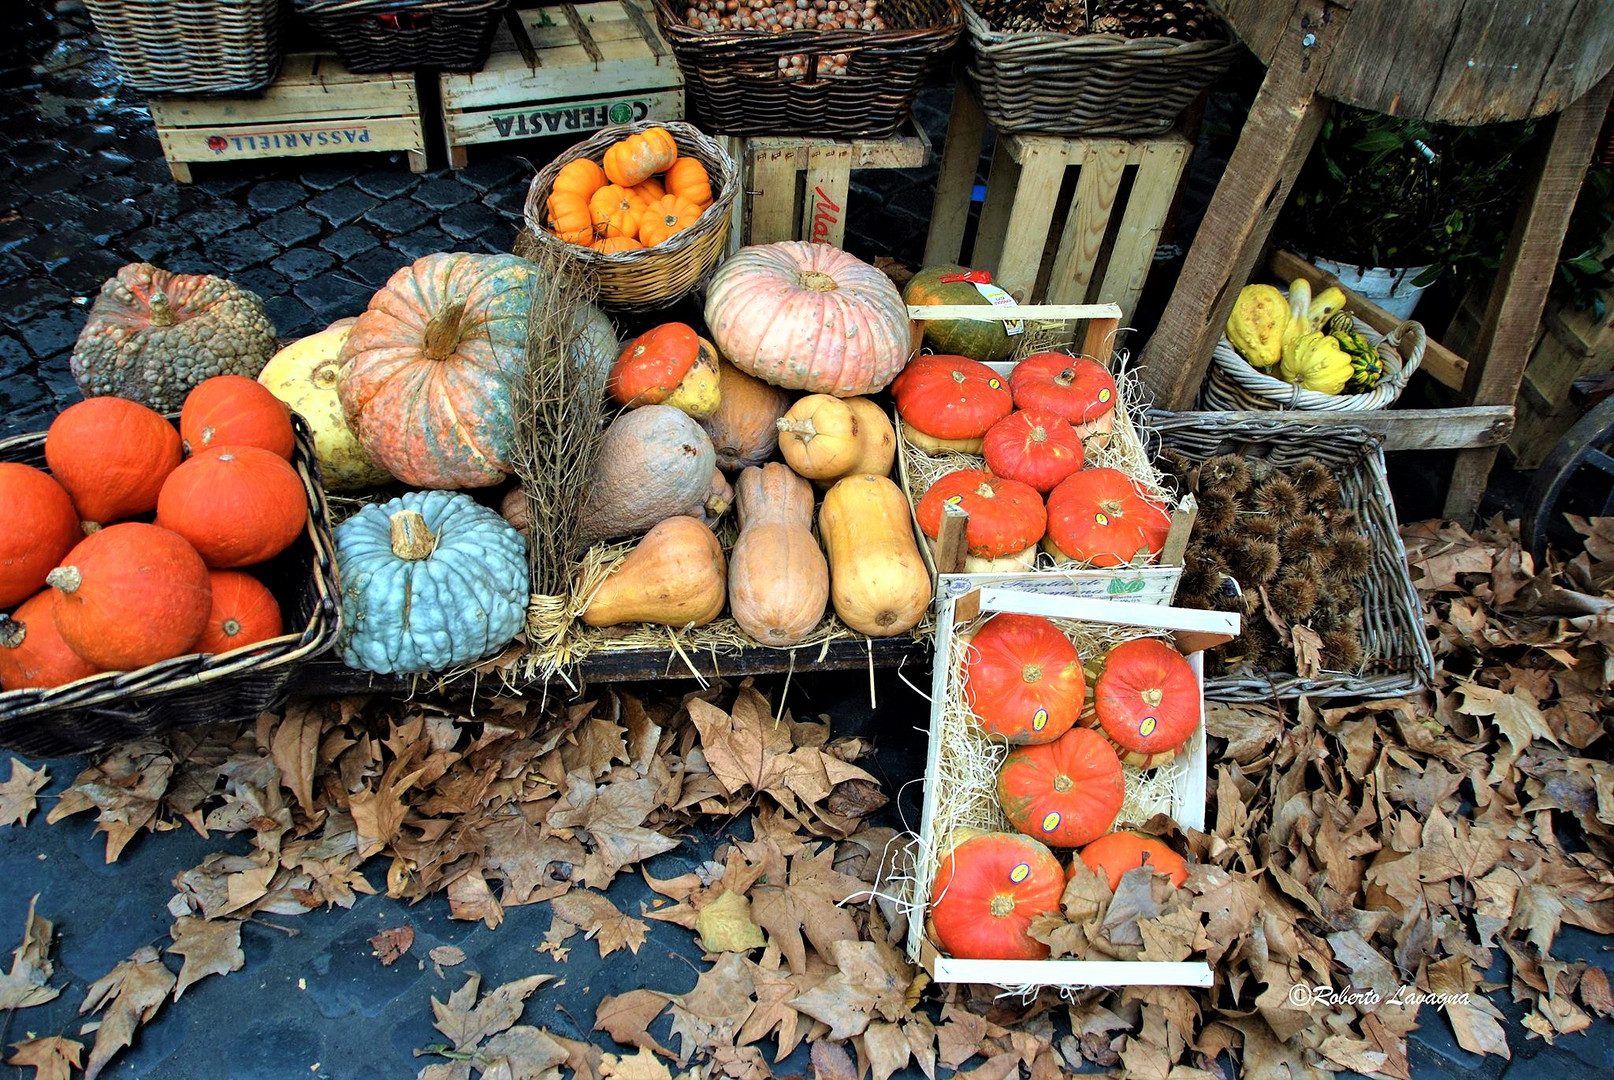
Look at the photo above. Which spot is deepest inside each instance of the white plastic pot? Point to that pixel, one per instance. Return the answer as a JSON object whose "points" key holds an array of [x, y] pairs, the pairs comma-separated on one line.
{"points": [[1391, 289]]}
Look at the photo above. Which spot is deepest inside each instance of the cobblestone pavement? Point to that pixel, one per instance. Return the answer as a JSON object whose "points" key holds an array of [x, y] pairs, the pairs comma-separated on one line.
{"points": [[83, 190]]}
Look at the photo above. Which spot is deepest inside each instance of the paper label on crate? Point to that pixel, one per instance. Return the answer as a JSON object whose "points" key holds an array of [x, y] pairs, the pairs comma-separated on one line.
{"points": [[998, 298]]}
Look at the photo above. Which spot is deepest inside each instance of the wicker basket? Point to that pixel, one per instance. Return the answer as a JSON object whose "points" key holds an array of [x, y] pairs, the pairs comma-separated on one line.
{"points": [[401, 35], [191, 46], [1087, 84], [1234, 385], [734, 84], [119, 706], [647, 278], [1399, 661]]}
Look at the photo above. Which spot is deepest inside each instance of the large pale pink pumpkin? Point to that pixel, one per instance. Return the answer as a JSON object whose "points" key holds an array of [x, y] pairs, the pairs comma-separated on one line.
{"points": [[809, 317]]}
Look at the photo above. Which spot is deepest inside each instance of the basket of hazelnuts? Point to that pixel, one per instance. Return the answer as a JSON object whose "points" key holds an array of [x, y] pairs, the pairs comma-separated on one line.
{"points": [[843, 68]]}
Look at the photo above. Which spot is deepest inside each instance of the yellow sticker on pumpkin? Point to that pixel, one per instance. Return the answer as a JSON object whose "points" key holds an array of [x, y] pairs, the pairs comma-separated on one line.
{"points": [[1051, 822], [1101, 518], [955, 500], [1039, 719], [994, 384], [1020, 873], [1147, 727]]}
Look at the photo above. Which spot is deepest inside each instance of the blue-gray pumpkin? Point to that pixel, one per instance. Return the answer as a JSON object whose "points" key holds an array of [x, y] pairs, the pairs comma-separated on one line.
{"points": [[430, 580]]}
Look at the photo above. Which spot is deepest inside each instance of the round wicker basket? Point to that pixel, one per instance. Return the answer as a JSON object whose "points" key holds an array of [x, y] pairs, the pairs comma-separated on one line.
{"points": [[1232, 384], [647, 278]]}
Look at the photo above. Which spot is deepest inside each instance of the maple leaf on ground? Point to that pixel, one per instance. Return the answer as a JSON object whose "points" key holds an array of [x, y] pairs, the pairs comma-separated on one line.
{"points": [[378, 813], [17, 795], [470, 898], [614, 817], [772, 1013], [832, 1062], [725, 925], [871, 980], [598, 918], [640, 1066], [295, 749], [127, 787], [522, 1053], [886, 1047], [209, 948], [466, 1022], [25, 985], [715, 1011], [52, 1058], [392, 943], [131, 994], [627, 1018]]}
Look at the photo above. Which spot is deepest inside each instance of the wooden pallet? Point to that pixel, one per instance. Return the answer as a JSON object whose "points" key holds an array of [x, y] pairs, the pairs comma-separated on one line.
{"points": [[315, 107], [1103, 250], [564, 70], [796, 187]]}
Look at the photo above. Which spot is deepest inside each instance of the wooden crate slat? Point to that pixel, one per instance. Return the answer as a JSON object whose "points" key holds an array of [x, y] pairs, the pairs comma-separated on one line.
{"points": [[1158, 173], [562, 118], [303, 139], [1087, 222], [332, 91]]}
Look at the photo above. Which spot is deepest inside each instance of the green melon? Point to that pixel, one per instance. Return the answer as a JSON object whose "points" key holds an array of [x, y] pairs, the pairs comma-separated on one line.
{"points": [[979, 340]]}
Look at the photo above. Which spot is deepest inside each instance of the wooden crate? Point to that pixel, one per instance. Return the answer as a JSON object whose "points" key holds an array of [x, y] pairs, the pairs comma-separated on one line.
{"points": [[564, 70], [316, 106], [796, 187], [1103, 250]]}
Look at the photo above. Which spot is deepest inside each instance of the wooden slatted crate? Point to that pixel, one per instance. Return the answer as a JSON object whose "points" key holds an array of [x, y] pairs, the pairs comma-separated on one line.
{"points": [[564, 70], [315, 107], [1104, 250]]}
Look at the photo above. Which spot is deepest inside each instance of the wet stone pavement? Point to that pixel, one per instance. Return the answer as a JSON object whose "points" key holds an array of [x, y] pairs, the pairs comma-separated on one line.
{"points": [[83, 190]]}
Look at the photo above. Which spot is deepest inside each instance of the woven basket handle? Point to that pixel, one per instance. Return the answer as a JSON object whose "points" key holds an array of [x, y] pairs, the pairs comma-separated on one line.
{"points": [[1409, 341]]}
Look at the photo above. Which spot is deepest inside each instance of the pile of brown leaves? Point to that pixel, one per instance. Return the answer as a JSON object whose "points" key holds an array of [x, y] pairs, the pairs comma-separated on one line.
{"points": [[1382, 851]]}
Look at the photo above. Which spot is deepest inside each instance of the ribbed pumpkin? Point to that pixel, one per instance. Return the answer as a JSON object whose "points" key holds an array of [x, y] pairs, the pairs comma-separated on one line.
{"points": [[427, 370], [949, 402], [778, 577], [1064, 793], [809, 317], [687, 178], [131, 595], [1102, 517], [1022, 679], [1147, 701], [1034, 447], [237, 505], [38, 527], [988, 890], [112, 456], [640, 156], [429, 580], [668, 364], [233, 410], [32, 652], [744, 429], [665, 218], [979, 339], [244, 613], [1078, 388], [1006, 516], [1113, 855]]}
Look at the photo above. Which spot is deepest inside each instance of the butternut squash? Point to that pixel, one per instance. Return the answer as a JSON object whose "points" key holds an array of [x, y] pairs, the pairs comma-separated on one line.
{"points": [[819, 437], [778, 577], [877, 439], [675, 576], [878, 582], [744, 428]]}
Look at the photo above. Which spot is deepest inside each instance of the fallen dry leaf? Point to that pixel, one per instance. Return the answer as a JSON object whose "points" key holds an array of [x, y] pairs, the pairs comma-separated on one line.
{"points": [[130, 994], [209, 948], [447, 956], [725, 925], [627, 1017], [600, 921], [53, 1058], [17, 794], [640, 1066], [466, 1021], [26, 984], [392, 943]]}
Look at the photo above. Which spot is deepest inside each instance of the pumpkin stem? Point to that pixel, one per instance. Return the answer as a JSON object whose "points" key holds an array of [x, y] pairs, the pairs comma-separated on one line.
{"points": [[162, 312], [443, 332], [1039, 434], [802, 429], [231, 627], [986, 491], [411, 538], [1063, 783], [958, 377], [12, 633], [66, 578], [325, 376], [1112, 507], [1153, 696], [1066, 377], [1002, 905], [89, 528], [818, 281], [1031, 673]]}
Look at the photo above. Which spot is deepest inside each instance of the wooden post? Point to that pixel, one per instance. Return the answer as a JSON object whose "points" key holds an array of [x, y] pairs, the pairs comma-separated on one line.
{"points": [[955, 179], [823, 207], [1155, 186], [1042, 171], [1002, 181], [1507, 332], [1283, 124], [1087, 221]]}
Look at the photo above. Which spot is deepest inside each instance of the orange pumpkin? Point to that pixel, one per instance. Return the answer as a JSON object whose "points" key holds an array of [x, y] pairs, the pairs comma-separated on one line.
{"points": [[1034, 447], [952, 399], [1147, 701], [1065, 793], [32, 652], [233, 410], [581, 177], [651, 190], [237, 505], [668, 364], [38, 527], [112, 456], [244, 613], [611, 245], [616, 211], [665, 218], [637, 158], [1078, 388], [1023, 680], [688, 180], [988, 890], [1113, 855], [132, 594], [570, 217], [1103, 518], [1006, 516]]}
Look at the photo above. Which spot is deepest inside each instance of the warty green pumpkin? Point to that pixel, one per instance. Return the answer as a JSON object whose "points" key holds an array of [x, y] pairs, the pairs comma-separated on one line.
{"points": [[430, 580]]}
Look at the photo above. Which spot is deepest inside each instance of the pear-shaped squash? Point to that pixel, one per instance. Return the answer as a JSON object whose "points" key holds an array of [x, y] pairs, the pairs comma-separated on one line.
{"points": [[675, 576], [778, 577], [878, 582]]}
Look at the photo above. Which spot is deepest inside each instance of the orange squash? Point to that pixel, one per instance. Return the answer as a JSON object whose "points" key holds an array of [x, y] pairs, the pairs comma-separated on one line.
{"points": [[38, 527], [949, 402], [32, 652], [611, 245], [616, 211], [744, 429], [637, 158], [233, 410], [820, 437], [1034, 447], [244, 613], [878, 582], [131, 595], [668, 364], [665, 218], [571, 217], [651, 190], [675, 576], [988, 890], [687, 179], [1102, 517], [581, 177], [778, 577], [237, 505], [1065, 793], [1116, 853], [112, 456], [1005, 516], [1023, 679], [1147, 701]]}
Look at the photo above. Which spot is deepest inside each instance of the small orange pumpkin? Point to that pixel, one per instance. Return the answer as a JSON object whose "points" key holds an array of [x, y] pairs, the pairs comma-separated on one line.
{"points": [[32, 652], [688, 179], [637, 158], [665, 218], [1104, 518], [668, 364], [570, 217], [949, 402], [233, 410], [1065, 793], [581, 177], [1147, 701], [1023, 680], [1034, 447], [988, 890], [38, 527], [237, 505], [616, 211], [651, 190], [1114, 854], [244, 613], [611, 245], [112, 456], [1006, 516]]}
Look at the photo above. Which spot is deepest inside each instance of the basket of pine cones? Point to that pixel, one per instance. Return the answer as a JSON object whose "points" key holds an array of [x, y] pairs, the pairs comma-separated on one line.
{"points": [[1296, 532], [1092, 67]]}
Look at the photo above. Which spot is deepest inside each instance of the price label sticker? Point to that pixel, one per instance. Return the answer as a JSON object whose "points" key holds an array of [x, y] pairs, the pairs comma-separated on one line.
{"points": [[998, 298]]}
